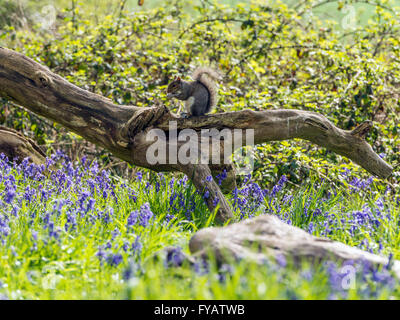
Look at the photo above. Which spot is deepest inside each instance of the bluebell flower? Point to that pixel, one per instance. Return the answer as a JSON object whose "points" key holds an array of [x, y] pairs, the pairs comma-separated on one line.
{"points": [[281, 260], [169, 217], [132, 194], [125, 246], [10, 195], [130, 271], [201, 267], [175, 257], [215, 201], [101, 254], [145, 215], [311, 228], [115, 233], [224, 270], [132, 218], [136, 246]]}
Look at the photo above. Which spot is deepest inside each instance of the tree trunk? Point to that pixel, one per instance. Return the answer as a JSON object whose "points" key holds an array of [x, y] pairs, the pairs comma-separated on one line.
{"points": [[123, 129]]}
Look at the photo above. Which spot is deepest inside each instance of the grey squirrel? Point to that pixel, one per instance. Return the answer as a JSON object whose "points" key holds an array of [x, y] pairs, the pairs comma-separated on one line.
{"points": [[200, 95]]}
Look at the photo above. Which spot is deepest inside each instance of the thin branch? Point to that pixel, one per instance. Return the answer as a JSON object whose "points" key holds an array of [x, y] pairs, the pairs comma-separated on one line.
{"points": [[207, 21]]}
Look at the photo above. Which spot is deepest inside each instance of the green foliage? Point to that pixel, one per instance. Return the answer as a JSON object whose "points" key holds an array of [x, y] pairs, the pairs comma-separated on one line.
{"points": [[272, 55], [8, 13]]}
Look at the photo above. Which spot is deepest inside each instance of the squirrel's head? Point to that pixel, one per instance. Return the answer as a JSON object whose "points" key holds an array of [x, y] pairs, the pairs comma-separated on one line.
{"points": [[174, 89]]}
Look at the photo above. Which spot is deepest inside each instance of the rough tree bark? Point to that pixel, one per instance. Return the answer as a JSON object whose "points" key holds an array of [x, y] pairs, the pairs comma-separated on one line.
{"points": [[14, 145], [122, 129]]}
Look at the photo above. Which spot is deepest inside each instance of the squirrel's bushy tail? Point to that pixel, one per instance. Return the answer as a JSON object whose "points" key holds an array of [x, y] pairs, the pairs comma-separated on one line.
{"points": [[207, 81], [198, 72]]}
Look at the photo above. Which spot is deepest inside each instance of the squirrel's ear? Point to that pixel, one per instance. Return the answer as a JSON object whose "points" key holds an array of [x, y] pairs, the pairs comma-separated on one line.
{"points": [[178, 78]]}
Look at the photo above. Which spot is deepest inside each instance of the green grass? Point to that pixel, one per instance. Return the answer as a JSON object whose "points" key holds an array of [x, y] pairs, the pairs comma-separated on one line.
{"points": [[67, 266]]}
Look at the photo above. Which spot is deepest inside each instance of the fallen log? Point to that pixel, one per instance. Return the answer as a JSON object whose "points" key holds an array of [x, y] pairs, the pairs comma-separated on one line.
{"points": [[123, 130], [16, 146], [266, 238]]}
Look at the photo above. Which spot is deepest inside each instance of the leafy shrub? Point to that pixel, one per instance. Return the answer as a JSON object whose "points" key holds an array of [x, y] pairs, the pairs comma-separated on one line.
{"points": [[272, 56]]}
